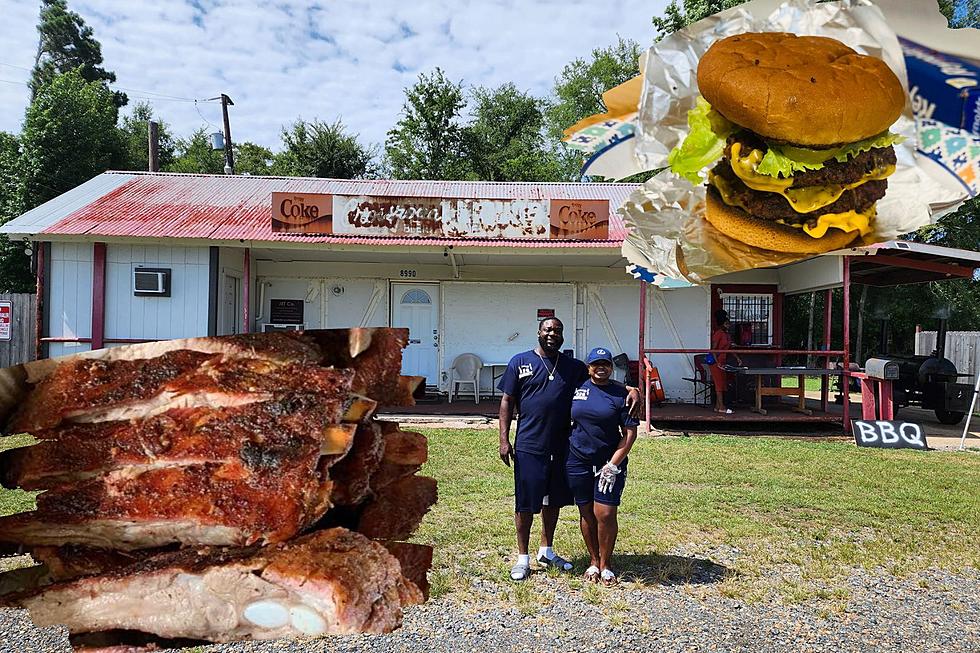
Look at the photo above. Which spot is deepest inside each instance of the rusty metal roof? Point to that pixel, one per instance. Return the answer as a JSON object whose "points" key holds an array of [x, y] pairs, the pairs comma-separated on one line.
{"points": [[233, 207]]}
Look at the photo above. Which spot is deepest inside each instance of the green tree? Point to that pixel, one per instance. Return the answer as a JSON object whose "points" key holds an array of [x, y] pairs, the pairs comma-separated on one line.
{"points": [[578, 90], [66, 43], [135, 133], [689, 11], [69, 136], [427, 141], [252, 159], [195, 155], [319, 149], [15, 266], [505, 139]]}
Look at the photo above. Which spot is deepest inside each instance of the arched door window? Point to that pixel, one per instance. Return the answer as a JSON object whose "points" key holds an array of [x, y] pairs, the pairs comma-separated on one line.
{"points": [[416, 296]]}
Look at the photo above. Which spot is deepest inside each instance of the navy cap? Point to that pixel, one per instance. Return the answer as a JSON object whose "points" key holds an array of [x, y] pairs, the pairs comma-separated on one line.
{"points": [[599, 354]]}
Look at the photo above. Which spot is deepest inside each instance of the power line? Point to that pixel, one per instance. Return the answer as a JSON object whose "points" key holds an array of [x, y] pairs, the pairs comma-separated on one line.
{"points": [[175, 98]]}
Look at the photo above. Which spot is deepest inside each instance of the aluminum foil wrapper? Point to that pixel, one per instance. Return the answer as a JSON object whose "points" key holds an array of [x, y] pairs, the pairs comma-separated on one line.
{"points": [[665, 217]]}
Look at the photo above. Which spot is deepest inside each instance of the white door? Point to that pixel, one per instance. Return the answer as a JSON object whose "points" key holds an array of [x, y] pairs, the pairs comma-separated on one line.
{"points": [[416, 306], [231, 306]]}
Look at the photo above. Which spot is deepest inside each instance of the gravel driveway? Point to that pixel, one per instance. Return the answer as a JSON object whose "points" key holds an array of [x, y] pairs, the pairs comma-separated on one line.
{"points": [[931, 611]]}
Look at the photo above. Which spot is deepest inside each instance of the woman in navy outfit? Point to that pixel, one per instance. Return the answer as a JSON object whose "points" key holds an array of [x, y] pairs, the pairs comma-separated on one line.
{"points": [[602, 434]]}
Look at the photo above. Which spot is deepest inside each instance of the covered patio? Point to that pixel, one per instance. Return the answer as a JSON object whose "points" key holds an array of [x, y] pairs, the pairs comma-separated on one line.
{"points": [[887, 264]]}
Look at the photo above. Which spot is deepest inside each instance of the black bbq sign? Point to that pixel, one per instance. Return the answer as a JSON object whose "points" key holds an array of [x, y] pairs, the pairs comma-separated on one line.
{"points": [[287, 311], [888, 434]]}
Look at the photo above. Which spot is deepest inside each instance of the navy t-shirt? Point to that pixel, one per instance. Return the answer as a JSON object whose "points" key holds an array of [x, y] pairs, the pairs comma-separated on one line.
{"points": [[597, 413], [542, 404]]}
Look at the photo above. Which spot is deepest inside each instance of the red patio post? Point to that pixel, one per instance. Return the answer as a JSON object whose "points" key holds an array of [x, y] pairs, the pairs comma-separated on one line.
{"points": [[847, 345], [39, 303], [640, 360], [98, 295]]}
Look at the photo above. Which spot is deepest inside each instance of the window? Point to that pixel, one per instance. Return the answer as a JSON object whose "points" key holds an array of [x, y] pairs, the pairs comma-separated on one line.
{"points": [[416, 297], [751, 317]]}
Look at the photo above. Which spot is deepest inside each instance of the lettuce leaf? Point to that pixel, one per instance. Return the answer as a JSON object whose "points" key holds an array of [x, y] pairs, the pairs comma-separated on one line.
{"points": [[785, 160], [704, 144]]}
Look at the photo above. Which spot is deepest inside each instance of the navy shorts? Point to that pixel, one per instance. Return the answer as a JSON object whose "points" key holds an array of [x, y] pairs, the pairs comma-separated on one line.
{"points": [[584, 483], [539, 479]]}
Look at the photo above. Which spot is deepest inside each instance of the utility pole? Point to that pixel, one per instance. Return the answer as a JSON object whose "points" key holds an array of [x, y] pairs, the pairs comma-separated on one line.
{"points": [[153, 138], [229, 155]]}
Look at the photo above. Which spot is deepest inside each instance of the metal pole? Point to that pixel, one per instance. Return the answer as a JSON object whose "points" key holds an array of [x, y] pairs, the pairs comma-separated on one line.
{"points": [[847, 345], [641, 367], [246, 286], [229, 155], [153, 143], [969, 415], [39, 307]]}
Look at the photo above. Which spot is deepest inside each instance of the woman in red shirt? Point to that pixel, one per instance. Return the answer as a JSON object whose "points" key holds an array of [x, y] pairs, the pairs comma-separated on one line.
{"points": [[721, 340]]}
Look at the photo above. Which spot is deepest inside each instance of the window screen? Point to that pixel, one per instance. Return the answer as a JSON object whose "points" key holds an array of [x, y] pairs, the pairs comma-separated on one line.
{"points": [[751, 316]]}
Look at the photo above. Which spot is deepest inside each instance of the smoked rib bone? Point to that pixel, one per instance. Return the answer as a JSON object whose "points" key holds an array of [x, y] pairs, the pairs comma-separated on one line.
{"points": [[329, 582], [95, 391]]}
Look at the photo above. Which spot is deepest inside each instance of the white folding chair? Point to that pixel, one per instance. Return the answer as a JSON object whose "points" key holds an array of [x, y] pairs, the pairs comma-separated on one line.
{"points": [[465, 370]]}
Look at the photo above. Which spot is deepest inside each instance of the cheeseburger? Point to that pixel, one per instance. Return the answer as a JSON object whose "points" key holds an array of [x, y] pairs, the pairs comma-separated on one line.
{"points": [[800, 124]]}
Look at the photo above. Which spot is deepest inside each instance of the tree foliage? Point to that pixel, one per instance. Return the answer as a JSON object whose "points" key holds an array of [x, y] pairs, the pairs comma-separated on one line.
{"points": [[505, 139], [427, 140], [252, 159], [15, 266], [194, 155], [689, 11], [69, 136], [319, 149], [66, 43], [135, 135]]}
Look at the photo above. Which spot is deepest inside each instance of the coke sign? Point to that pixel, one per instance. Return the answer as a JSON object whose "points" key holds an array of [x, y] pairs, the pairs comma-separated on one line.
{"points": [[580, 219], [302, 213]]}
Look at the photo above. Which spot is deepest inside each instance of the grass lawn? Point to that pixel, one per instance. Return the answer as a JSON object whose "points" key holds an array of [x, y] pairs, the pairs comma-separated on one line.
{"points": [[809, 511], [811, 383], [14, 501]]}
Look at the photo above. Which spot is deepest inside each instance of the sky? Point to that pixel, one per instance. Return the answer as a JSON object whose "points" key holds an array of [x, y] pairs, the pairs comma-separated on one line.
{"points": [[345, 59]]}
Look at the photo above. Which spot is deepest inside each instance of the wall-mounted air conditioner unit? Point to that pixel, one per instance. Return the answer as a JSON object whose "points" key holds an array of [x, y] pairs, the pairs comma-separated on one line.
{"points": [[266, 328], [151, 282]]}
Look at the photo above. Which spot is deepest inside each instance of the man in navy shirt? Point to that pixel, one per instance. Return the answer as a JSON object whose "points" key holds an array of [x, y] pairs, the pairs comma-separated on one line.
{"points": [[539, 385]]}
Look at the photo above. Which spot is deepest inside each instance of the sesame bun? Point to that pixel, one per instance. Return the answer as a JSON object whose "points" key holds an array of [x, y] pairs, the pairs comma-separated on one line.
{"points": [[767, 234], [807, 90]]}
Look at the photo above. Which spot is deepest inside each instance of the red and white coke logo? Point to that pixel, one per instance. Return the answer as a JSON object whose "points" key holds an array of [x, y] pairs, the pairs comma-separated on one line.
{"points": [[300, 209]]}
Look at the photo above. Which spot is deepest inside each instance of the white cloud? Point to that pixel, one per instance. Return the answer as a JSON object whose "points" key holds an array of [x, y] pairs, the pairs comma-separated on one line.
{"points": [[336, 59]]}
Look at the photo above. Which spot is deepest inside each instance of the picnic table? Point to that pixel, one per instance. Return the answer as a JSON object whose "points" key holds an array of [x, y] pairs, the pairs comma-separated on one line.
{"points": [[799, 391]]}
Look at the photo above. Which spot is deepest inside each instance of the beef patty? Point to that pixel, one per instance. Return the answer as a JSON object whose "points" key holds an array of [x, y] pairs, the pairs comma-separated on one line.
{"points": [[773, 206]]}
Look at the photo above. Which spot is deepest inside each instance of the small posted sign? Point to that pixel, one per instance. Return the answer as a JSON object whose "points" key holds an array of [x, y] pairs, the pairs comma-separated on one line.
{"points": [[5, 320], [889, 434]]}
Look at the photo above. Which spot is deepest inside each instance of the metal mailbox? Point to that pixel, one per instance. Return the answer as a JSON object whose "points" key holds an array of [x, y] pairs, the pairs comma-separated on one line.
{"points": [[882, 369]]}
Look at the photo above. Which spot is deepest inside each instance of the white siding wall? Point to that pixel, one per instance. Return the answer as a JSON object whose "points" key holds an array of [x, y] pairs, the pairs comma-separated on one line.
{"points": [[620, 303], [329, 303], [70, 303], [677, 319], [497, 320], [182, 315]]}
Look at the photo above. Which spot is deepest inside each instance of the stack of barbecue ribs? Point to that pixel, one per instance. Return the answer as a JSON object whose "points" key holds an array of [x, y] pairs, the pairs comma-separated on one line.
{"points": [[218, 489]]}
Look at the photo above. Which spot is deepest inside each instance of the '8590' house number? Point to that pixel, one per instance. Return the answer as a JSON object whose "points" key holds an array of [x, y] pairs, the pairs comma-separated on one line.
{"points": [[408, 274]]}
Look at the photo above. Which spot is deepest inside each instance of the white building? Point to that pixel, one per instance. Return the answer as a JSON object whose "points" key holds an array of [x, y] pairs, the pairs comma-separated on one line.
{"points": [[468, 267]]}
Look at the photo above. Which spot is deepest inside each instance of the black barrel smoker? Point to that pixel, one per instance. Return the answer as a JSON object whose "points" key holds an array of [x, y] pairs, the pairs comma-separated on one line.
{"points": [[929, 382]]}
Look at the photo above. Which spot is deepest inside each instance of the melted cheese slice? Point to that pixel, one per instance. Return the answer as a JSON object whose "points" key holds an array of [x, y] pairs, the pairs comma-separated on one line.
{"points": [[847, 221], [803, 200]]}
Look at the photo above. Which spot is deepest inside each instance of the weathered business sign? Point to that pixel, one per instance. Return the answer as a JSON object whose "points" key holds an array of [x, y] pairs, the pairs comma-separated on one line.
{"points": [[888, 434], [302, 213], [428, 217]]}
